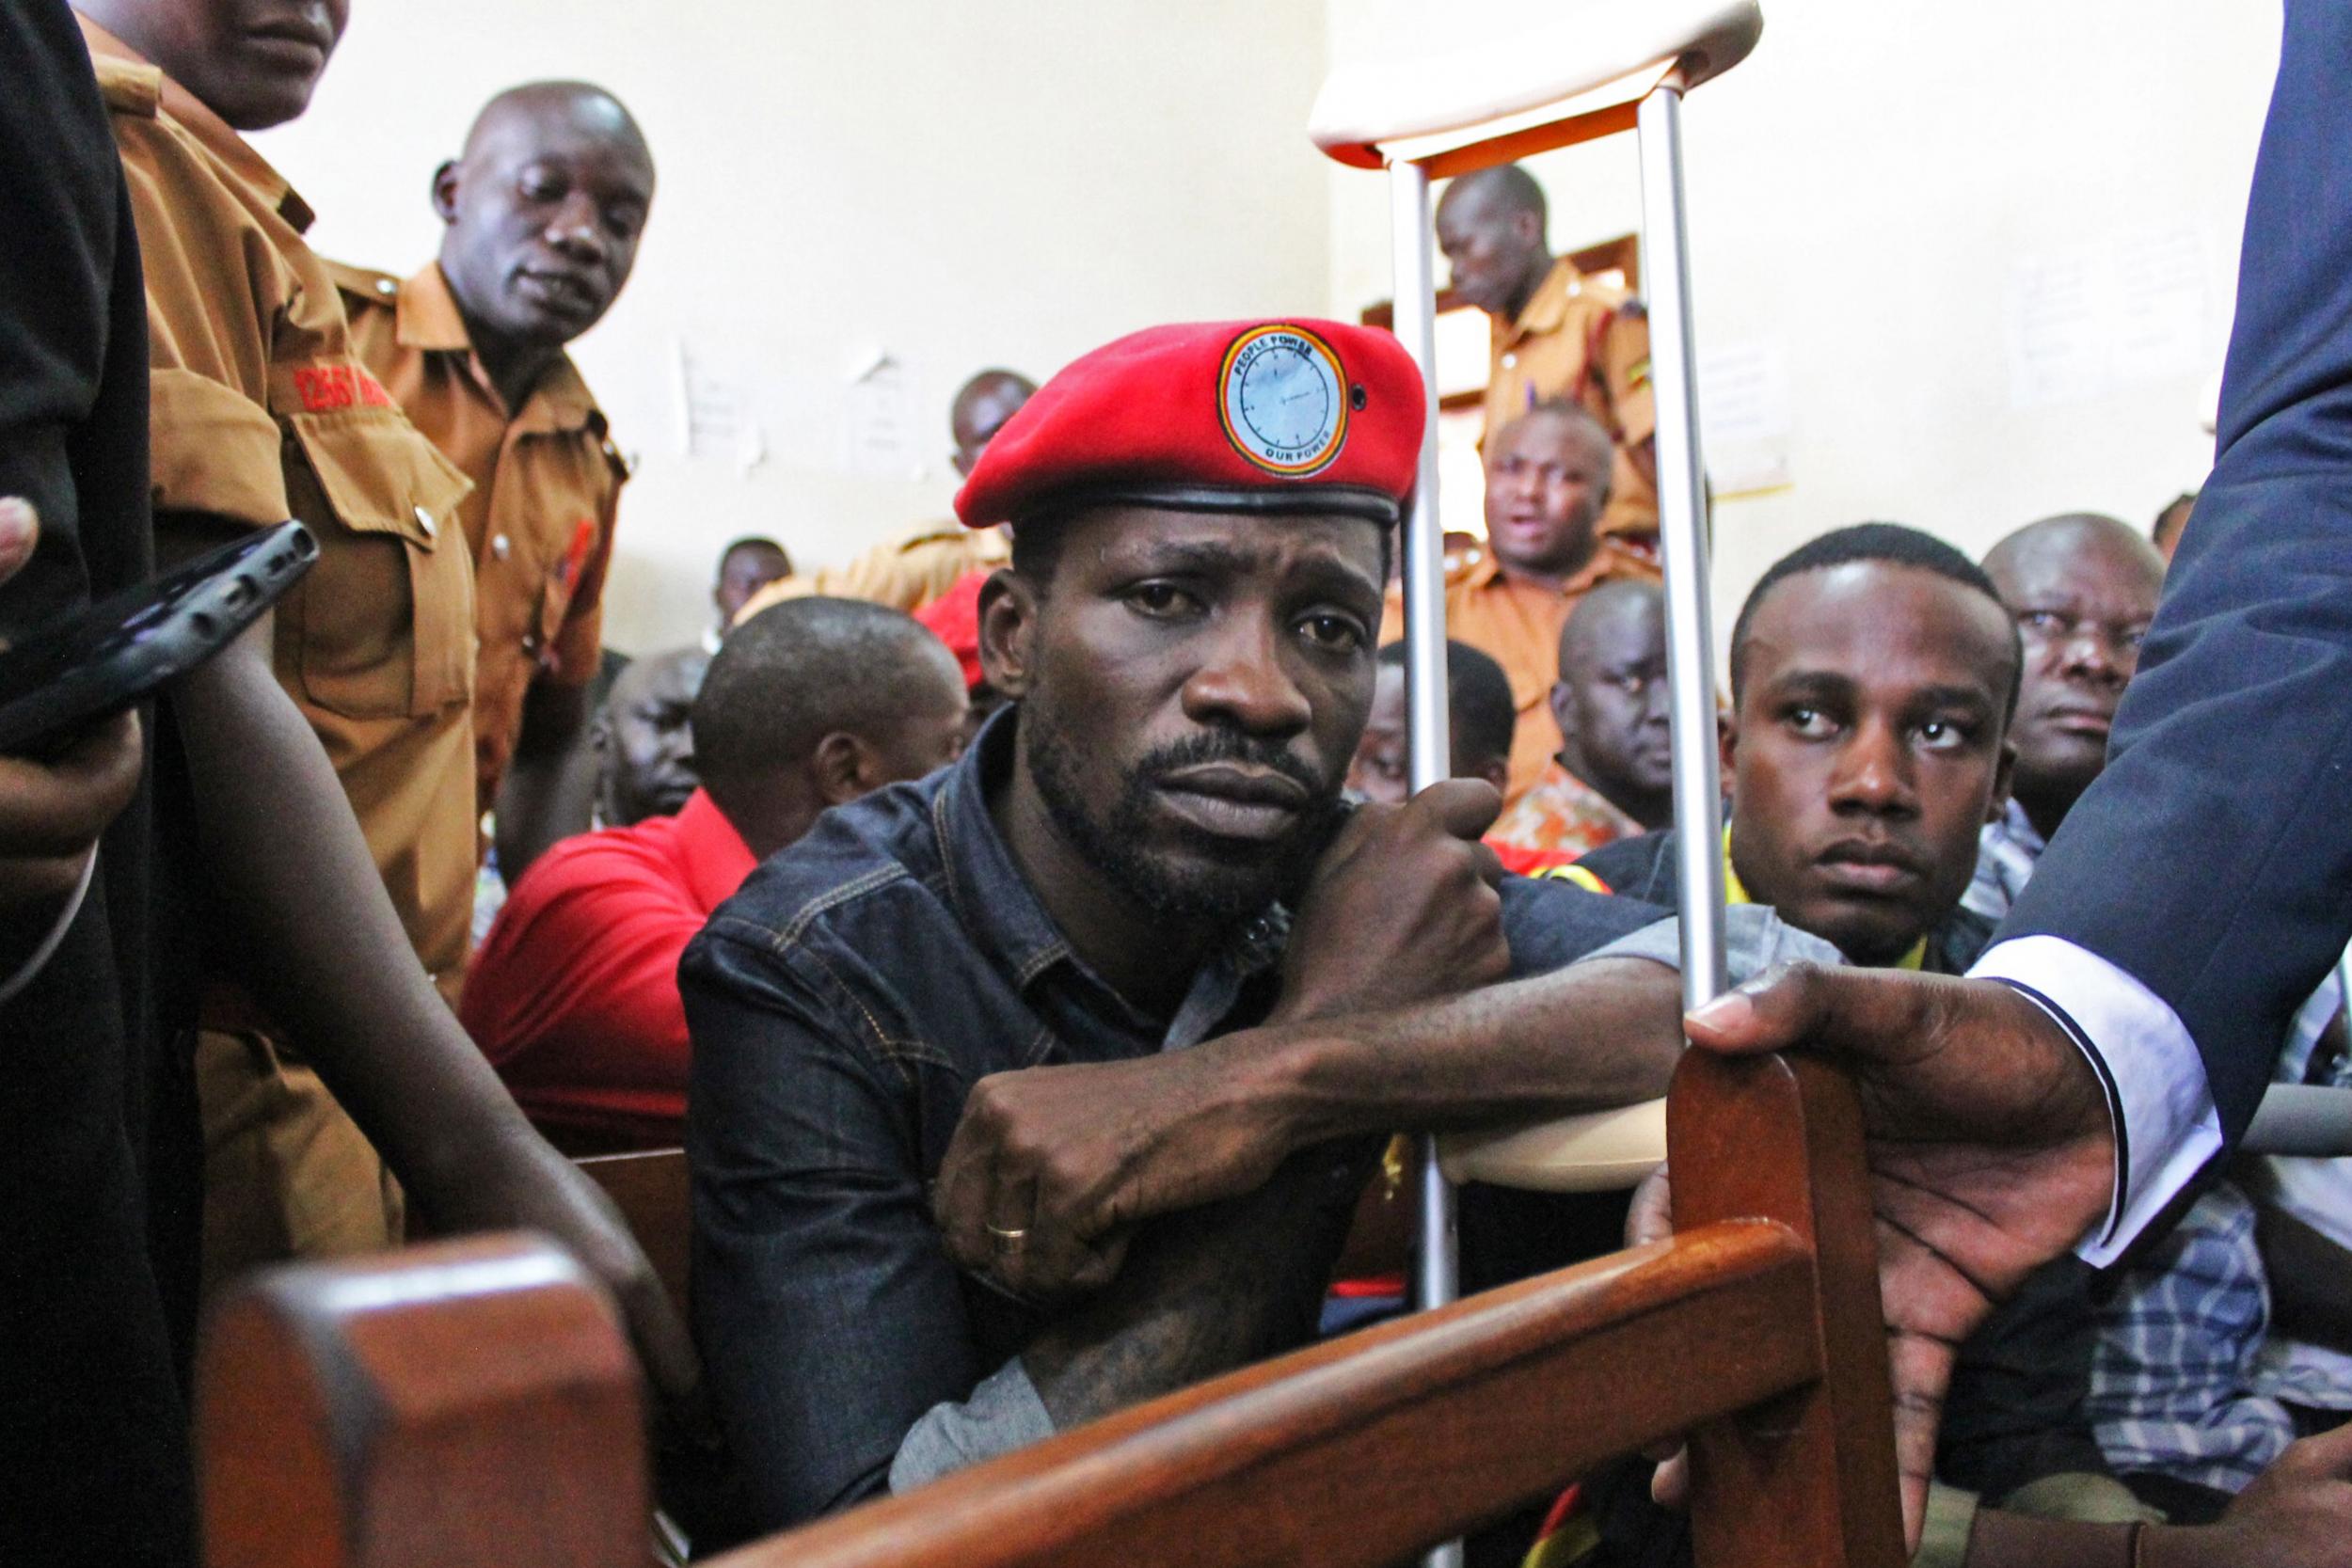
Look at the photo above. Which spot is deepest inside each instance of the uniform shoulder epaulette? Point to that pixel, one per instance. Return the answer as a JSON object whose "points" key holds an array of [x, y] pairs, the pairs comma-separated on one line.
{"points": [[130, 88], [364, 282], [936, 534]]}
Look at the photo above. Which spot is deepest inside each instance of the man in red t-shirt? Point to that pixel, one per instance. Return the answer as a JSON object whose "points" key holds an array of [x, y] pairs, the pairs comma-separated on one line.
{"points": [[574, 995]]}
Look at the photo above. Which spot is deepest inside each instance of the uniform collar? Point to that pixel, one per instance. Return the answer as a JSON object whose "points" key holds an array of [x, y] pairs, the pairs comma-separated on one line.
{"points": [[714, 855], [217, 136], [1486, 568], [425, 317], [1734, 893], [1548, 307]]}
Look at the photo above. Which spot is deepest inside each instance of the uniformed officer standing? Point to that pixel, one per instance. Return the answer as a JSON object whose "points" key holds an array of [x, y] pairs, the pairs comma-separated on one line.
{"points": [[542, 214], [1557, 334], [363, 678], [909, 573]]}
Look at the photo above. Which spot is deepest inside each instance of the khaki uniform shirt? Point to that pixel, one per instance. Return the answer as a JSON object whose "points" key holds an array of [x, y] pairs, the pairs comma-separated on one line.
{"points": [[1517, 625], [1588, 343], [905, 574], [261, 411], [547, 482]]}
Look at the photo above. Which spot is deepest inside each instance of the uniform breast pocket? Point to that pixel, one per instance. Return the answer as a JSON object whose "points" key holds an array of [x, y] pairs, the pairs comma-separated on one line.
{"points": [[386, 616]]}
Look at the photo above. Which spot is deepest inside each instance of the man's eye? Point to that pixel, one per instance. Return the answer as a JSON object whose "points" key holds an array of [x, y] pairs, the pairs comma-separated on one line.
{"points": [[1335, 633], [2043, 620], [1810, 723], [622, 226], [2133, 636], [1158, 598], [543, 190], [1942, 735]]}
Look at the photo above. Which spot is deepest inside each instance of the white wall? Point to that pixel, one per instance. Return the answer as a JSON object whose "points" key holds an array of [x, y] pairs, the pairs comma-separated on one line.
{"points": [[963, 185], [959, 184], [1859, 191]]}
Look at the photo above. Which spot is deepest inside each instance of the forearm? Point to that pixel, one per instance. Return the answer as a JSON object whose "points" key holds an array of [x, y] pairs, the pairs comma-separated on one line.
{"points": [[1206, 1291], [2019, 1540], [549, 788], [1594, 1036], [281, 843]]}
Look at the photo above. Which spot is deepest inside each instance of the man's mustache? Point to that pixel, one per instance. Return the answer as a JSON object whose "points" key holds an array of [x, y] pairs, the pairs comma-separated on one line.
{"points": [[1211, 746]]}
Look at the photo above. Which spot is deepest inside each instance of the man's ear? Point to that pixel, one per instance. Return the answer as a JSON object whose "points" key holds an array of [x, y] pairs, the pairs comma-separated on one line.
{"points": [[445, 191], [1529, 227], [1496, 772], [1009, 614], [1558, 703], [2004, 775], [1728, 744], [844, 767]]}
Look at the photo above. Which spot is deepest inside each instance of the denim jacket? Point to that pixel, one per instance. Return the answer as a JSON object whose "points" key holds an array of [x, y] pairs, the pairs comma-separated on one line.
{"points": [[842, 1005]]}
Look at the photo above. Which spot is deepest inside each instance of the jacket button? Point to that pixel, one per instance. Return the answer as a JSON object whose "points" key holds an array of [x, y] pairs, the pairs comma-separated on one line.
{"points": [[424, 521]]}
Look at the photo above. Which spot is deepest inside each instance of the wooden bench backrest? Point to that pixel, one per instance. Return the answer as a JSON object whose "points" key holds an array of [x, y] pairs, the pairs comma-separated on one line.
{"points": [[653, 1194], [1758, 1328]]}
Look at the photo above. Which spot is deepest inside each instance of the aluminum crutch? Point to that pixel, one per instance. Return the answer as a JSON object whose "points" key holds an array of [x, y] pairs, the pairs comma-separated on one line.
{"points": [[1601, 69]]}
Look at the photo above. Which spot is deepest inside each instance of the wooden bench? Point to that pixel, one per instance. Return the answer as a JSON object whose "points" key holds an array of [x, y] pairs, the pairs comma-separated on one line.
{"points": [[429, 1409], [653, 1194]]}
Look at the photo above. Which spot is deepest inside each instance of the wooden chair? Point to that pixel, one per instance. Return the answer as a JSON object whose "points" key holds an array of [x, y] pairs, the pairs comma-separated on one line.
{"points": [[655, 1196], [1756, 1329]]}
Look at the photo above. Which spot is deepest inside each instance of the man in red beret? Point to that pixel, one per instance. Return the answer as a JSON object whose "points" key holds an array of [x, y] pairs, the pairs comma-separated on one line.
{"points": [[1046, 1084]]}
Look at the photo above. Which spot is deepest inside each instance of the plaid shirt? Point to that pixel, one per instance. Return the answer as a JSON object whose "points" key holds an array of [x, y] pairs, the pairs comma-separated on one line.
{"points": [[2177, 1385], [2006, 852]]}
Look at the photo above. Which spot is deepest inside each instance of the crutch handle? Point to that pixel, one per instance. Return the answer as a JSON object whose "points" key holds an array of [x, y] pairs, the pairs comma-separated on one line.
{"points": [[1597, 46], [1603, 1151]]}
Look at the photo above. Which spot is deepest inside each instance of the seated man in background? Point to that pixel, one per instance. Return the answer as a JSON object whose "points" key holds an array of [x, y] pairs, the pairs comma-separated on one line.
{"points": [[2082, 589], [910, 572], [574, 997], [541, 215], [644, 740], [745, 566], [1479, 715], [1546, 480], [1873, 675], [1613, 774], [1048, 1085]]}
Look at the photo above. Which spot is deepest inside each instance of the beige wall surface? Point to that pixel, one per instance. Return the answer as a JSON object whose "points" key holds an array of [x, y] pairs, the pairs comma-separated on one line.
{"points": [[951, 184], [1879, 198], [1863, 193]]}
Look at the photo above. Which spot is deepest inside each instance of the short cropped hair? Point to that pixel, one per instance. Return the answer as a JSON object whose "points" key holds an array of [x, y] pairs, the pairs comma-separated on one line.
{"points": [[796, 672], [1890, 543], [1477, 697]]}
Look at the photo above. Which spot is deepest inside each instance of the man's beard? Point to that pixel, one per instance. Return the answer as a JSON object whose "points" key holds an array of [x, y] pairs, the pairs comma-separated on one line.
{"points": [[1230, 880]]}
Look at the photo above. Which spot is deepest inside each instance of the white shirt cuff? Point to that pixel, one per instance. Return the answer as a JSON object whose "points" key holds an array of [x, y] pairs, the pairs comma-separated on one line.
{"points": [[2167, 1128]]}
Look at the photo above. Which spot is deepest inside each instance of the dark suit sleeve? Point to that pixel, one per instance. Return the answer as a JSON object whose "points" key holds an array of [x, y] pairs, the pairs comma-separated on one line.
{"points": [[2213, 859]]}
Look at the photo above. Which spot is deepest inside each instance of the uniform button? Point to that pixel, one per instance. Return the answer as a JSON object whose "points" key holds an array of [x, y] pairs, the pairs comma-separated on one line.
{"points": [[502, 545], [530, 641], [424, 521], [1510, 361], [386, 286]]}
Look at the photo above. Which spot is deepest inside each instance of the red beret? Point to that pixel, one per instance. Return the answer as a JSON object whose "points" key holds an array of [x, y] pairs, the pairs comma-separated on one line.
{"points": [[953, 618], [1276, 416]]}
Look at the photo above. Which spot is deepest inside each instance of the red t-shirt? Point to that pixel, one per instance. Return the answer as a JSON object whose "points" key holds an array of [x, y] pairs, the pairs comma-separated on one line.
{"points": [[574, 995]]}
